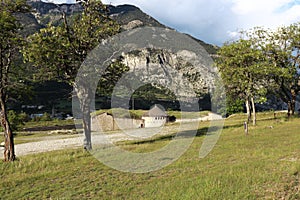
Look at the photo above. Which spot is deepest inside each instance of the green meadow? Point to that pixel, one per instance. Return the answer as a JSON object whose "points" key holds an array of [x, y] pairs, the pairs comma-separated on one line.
{"points": [[262, 165]]}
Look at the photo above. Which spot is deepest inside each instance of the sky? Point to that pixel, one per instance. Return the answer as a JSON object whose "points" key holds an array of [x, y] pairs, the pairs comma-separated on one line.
{"points": [[216, 21]]}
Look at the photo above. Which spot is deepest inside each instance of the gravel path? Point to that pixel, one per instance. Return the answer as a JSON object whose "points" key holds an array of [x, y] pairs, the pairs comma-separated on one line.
{"points": [[50, 144]]}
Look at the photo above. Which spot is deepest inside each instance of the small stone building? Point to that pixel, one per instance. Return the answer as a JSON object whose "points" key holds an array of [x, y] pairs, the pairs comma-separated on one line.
{"points": [[155, 117], [106, 122]]}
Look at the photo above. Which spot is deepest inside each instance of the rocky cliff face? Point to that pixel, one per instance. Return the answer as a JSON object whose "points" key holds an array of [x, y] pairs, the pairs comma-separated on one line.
{"points": [[164, 68]]}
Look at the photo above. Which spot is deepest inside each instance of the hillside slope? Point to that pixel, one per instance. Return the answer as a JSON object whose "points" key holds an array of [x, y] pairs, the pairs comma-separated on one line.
{"points": [[128, 16]]}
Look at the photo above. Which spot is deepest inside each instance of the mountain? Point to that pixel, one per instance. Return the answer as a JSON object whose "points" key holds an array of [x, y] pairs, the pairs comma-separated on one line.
{"points": [[128, 16]]}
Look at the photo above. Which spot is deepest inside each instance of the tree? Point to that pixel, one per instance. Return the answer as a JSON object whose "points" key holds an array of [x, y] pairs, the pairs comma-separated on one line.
{"points": [[58, 51], [10, 43], [283, 51], [243, 68], [266, 61]]}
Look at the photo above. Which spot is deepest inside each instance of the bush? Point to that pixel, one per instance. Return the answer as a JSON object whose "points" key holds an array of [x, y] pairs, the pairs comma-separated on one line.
{"points": [[41, 117], [234, 106], [24, 117], [16, 120], [45, 117]]}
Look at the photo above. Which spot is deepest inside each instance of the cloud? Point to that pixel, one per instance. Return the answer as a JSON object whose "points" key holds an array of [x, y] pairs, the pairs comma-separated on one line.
{"points": [[217, 21], [202, 19], [269, 13], [246, 7]]}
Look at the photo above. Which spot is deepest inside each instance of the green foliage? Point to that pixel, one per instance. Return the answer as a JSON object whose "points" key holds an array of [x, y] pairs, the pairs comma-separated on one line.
{"points": [[154, 92], [13, 119], [58, 51], [283, 51], [9, 25], [260, 62], [43, 118], [243, 68], [17, 121], [41, 124], [24, 117], [10, 43], [46, 117], [110, 77], [234, 106]]}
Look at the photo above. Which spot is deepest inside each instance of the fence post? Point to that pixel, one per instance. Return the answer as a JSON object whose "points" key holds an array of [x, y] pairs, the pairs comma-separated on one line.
{"points": [[246, 128]]}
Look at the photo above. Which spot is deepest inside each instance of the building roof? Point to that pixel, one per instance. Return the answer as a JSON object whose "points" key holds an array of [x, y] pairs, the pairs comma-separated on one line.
{"points": [[156, 111]]}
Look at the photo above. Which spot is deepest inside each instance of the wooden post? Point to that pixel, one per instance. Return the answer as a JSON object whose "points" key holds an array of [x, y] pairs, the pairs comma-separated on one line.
{"points": [[246, 128]]}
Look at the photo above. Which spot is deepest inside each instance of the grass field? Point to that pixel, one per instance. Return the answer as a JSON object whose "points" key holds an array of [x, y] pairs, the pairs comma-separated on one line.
{"points": [[33, 124], [263, 165]]}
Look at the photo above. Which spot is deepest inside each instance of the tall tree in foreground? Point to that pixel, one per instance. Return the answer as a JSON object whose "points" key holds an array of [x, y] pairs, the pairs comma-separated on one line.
{"points": [[10, 41], [58, 51]]}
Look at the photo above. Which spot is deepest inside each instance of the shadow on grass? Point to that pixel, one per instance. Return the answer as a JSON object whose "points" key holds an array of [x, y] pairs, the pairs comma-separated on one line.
{"points": [[183, 134], [202, 131], [191, 133], [186, 134], [234, 126]]}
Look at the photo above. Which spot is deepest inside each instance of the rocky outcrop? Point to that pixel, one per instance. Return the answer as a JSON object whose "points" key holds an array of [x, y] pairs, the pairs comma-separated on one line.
{"points": [[164, 68], [133, 24]]}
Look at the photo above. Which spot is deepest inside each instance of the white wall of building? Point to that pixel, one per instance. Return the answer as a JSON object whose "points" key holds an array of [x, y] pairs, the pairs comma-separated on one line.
{"points": [[154, 121]]}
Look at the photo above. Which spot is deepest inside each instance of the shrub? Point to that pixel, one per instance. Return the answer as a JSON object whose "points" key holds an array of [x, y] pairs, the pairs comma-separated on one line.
{"points": [[24, 117], [234, 106], [41, 117], [45, 117], [16, 120]]}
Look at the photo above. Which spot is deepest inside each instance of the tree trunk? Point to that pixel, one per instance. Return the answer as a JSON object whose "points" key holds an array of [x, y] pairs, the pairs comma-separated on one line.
{"points": [[84, 95], [86, 122], [132, 100], [53, 111], [293, 103], [248, 110], [253, 111], [289, 108], [9, 147]]}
